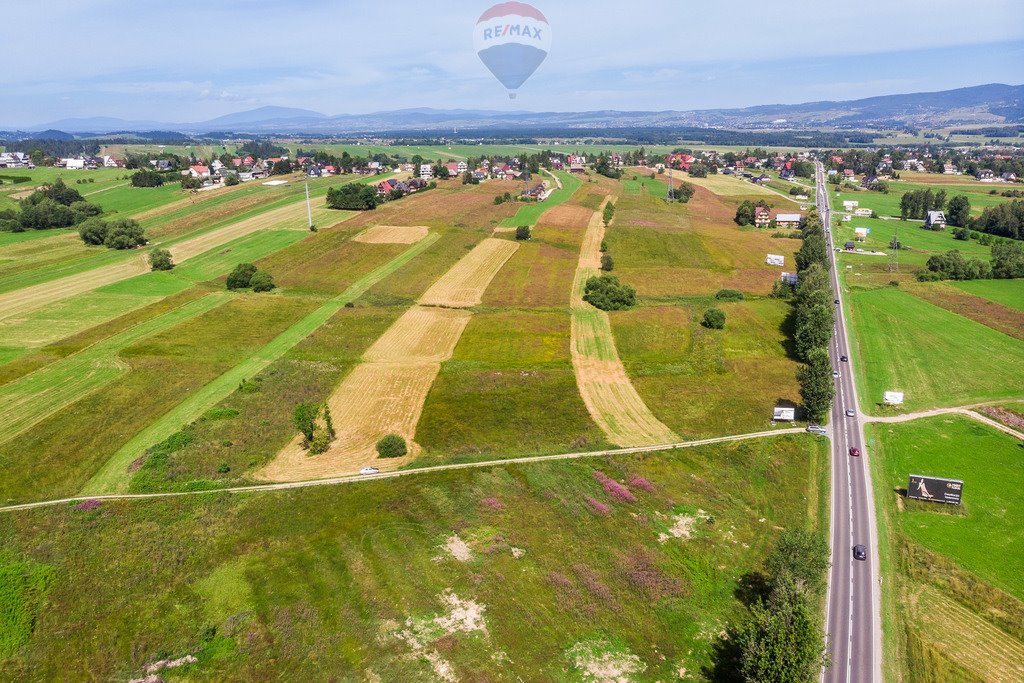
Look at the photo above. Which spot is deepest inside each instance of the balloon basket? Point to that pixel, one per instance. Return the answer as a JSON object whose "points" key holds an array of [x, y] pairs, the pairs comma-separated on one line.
{"points": [[511, 95]]}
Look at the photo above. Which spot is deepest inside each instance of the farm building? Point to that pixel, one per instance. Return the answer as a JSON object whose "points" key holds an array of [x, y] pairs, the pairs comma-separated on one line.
{"points": [[788, 220], [935, 220], [775, 260]]}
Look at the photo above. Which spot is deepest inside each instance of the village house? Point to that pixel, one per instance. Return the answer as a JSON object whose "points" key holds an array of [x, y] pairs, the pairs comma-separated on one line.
{"points": [[985, 175], [935, 220], [577, 163], [426, 171], [762, 216], [15, 160], [949, 169], [1009, 177], [197, 171], [848, 174]]}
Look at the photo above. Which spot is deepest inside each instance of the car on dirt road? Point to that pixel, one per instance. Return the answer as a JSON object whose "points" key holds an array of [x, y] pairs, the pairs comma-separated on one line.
{"points": [[817, 429], [860, 552], [369, 470], [855, 451]]}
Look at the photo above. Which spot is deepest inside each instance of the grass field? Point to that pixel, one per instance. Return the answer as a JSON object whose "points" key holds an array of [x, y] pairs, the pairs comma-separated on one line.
{"points": [[703, 382], [529, 213], [937, 358], [919, 243], [365, 579], [953, 595]]}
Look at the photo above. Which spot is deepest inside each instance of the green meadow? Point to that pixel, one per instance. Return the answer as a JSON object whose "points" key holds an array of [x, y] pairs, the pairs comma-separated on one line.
{"points": [[936, 357], [550, 569]]}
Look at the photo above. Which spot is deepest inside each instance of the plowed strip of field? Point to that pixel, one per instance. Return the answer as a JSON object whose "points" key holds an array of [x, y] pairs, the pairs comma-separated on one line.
{"points": [[386, 392], [421, 335], [464, 284], [34, 397], [22, 301], [968, 639], [609, 395], [392, 234]]}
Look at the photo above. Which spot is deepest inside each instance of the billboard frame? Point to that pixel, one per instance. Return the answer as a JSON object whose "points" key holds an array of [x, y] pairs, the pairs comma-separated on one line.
{"points": [[946, 494]]}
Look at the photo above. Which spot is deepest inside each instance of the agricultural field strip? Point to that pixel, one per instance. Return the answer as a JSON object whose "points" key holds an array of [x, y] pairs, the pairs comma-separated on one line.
{"points": [[25, 300], [386, 392], [464, 284], [114, 475], [29, 298], [605, 387], [352, 479], [32, 398]]}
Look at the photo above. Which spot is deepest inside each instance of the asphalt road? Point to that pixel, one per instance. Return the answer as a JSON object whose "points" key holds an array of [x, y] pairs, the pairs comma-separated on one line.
{"points": [[852, 621]]}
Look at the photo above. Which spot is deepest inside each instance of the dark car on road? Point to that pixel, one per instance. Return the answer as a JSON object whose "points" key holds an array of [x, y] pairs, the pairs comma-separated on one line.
{"points": [[844, 359], [860, 552], [855, 451]]}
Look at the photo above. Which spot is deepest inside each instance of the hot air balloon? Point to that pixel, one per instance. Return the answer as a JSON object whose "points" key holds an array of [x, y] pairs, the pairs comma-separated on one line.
{"points": [[512, 39]]}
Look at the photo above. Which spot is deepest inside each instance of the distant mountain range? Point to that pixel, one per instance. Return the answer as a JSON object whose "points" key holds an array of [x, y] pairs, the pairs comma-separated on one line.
{"points": [[978, 105]]}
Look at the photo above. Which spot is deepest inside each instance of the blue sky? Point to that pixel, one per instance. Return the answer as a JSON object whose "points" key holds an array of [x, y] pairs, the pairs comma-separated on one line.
{"points": [[187, 60]]}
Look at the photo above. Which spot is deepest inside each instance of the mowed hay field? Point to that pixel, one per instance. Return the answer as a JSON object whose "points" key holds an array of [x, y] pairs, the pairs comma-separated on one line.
{"points": [[606, 389], [392, 234], [703, 382], [694, 249], [937, 358], [465, 283], [955, 598], [385, 394], [403, 578]]}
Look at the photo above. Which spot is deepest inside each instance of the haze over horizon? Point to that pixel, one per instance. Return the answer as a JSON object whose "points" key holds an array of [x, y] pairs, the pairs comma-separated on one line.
{"points": [[103, 60]]}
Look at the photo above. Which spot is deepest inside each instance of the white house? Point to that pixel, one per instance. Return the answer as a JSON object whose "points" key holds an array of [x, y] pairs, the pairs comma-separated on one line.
{"points": [[74, 164], [426, 171], [935, 218]]}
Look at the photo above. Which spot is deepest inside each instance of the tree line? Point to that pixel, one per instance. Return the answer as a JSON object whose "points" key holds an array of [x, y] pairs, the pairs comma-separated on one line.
{"points": [[814, 318], [1007, 262]]}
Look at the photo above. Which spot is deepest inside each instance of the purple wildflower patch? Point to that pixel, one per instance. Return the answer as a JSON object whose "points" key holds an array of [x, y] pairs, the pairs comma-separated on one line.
{"points": [[492, 503], [87, 505], [639, 482], [614, 489], [597, 506]]}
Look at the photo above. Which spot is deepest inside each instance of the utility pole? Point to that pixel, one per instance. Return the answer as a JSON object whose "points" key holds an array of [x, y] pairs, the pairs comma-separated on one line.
{"points": [[671, 190], [309, 209]]}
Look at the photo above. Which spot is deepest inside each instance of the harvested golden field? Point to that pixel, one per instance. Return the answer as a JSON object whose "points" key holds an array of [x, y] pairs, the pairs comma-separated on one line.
{"points": [[610, 397], [375, 399], [464, 284], [392, 234], [565, 216], [421, 335]]}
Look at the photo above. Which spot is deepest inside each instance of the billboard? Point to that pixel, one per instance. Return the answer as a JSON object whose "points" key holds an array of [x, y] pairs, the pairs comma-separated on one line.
{"points": [[935, 489]]}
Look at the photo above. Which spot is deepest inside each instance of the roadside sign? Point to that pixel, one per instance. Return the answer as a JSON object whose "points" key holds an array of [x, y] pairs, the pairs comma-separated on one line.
{"points": [[934, 489]]}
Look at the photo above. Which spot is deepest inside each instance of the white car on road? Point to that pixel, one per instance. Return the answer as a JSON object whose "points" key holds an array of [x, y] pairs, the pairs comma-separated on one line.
{"points": [[369, 470]]}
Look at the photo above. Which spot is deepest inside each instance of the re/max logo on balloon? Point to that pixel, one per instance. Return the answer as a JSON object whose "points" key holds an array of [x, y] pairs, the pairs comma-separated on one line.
{"points": [[513, 30]]}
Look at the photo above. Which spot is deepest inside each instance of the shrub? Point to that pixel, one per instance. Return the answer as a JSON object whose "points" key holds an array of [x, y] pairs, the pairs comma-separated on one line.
{"points": [[160, 259], [93, 231], [523, 232], [190, 183], [606, 263], [231, 180], [604, 246], [608, 294], [714, 318], [261, 281], [241, 276], [392, 446], [729, 295]]}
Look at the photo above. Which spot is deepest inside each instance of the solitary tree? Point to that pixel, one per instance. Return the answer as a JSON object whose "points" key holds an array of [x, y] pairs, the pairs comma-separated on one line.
{"points": [[160, 259], [523, 232], [607, 265]]}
